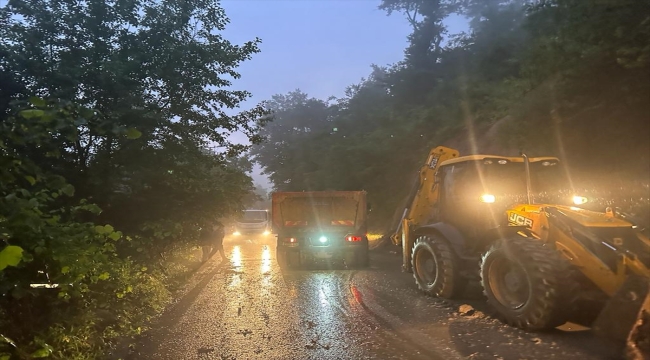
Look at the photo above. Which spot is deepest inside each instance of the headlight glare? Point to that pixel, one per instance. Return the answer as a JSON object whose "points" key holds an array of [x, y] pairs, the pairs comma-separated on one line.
{"points": [[579, 200], [488, 198]]}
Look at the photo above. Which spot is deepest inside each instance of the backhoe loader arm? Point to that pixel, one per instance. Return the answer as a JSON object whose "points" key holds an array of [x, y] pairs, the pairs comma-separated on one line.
{"points": [[423, 200]]}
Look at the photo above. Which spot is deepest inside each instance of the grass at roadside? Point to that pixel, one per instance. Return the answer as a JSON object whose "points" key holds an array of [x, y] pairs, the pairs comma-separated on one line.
{"points": [[105, 317]]}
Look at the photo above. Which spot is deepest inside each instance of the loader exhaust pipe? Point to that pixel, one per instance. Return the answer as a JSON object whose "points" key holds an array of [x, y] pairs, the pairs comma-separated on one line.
{"points": [[529, 192]]}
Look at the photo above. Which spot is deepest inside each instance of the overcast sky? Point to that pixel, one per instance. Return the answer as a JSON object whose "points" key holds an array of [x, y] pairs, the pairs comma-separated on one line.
{"points": [[317, 46]]}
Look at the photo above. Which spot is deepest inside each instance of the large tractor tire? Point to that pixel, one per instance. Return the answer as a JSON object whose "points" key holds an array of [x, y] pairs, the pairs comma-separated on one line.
{"points": [[525, 280], [436, 268]]}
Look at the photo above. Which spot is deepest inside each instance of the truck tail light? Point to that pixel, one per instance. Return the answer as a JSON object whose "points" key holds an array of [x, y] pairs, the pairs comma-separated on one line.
{"points": [[353, 238]]}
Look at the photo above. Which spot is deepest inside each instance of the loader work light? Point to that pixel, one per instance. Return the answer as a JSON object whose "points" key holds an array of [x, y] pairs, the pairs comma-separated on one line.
{"points": [[579, 200], [488, 198]]}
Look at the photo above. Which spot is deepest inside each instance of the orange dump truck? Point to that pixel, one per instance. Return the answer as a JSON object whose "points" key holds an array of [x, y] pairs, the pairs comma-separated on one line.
{"points": [[320, 225]]}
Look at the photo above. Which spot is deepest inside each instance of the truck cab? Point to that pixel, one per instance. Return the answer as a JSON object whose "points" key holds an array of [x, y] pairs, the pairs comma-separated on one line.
{"points": [[252, 222]]}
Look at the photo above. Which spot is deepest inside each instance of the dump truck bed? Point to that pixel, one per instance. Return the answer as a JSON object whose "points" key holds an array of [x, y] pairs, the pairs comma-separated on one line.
{"points": [[319, 209], [320, 225]]}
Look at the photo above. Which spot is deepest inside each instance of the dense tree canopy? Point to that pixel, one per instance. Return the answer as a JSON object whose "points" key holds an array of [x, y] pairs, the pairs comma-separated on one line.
{"points": [[563, 77], [109, 113], [158, 68]]}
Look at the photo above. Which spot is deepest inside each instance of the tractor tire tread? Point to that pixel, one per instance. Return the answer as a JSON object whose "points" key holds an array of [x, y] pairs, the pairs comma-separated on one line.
{"points": [[551, 287], [451, 284]]}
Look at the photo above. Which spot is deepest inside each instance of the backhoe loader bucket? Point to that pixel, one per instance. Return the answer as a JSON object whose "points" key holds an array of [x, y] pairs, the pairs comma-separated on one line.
{"points": [[638, 343], [625, 319]]}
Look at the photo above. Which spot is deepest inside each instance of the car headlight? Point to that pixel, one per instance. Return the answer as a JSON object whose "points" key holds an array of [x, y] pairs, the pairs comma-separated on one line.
{"points": [[322, 239], [266, 232], [579, 200], [236, 233]]}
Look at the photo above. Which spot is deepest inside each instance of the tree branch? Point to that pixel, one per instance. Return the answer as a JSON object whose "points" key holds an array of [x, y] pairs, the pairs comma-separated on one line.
{"points": [[412, 18]]}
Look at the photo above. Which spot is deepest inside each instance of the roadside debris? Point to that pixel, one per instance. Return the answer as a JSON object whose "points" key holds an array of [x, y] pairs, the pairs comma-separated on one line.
{"points": [[245, 332], [204, 350], [466, 310], [315, 343]]}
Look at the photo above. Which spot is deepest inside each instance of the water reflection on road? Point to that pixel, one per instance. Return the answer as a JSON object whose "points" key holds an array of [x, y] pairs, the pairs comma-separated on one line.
{"points": [[252, 310], [248, 308]]}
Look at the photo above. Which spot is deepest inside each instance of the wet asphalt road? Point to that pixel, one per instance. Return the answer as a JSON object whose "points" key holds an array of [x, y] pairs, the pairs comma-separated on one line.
{"points": [[247, 308]]}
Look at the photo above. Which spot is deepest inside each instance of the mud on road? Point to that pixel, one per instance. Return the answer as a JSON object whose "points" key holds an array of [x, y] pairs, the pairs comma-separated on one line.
{"points": [[248, 308]]}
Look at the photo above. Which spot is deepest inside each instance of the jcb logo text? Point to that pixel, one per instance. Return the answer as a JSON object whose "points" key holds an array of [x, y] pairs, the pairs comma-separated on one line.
{"points": [[517, 219]]}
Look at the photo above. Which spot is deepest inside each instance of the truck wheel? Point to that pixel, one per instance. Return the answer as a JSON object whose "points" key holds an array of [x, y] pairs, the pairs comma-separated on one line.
{"points": [[525, 281], [436, 268]]}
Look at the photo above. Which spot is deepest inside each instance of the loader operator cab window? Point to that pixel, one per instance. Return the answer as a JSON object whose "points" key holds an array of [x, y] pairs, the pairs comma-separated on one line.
{"points": [[464, 185], [550, 183], [457, 179], [475, 193], [506, 182]]}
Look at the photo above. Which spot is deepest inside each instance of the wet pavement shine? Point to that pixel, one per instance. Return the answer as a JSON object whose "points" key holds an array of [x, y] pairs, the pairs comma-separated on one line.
{"points": [[248, 308]]}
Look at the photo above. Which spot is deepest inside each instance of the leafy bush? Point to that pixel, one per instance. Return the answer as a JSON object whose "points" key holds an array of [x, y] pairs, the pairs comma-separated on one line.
{"points": [[47, 242], [104, 185]]}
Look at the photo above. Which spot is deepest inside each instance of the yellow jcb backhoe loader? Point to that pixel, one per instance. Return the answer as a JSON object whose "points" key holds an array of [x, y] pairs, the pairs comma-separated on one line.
{"points": [[483, 217]]}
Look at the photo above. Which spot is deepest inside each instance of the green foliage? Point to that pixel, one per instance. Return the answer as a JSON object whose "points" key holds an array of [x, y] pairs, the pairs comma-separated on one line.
{"points": [[11, 255], [295, 116], [156, 72], [50, 243], [105, 124], [590, 78]]}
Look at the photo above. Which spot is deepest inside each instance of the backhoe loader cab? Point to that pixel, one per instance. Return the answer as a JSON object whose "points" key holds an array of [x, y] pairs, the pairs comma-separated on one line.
{"points": [[475, 191], [469, 197], [509, 222]]}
